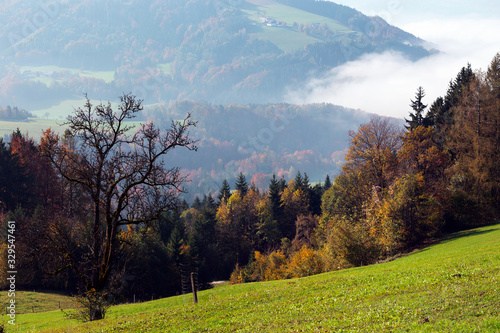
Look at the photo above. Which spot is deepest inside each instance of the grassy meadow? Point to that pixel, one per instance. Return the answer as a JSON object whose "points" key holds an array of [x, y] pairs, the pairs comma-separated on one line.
{"points": [[451, 286], [51, 74], [288, 38], [33, 126], [33, 302]]}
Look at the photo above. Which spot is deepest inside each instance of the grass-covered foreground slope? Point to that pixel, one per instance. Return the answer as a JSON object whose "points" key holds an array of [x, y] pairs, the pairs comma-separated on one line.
{"points": [[31, 301], [452, 286]]}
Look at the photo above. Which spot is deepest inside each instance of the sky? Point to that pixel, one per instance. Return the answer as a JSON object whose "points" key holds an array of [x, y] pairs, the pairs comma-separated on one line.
{"points": [[463, 31]]}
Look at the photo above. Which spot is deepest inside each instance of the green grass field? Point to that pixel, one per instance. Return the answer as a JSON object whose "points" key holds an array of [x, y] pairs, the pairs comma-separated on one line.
{"points": [[33, 302], [48, 74], [64, 108], [288, 38], [452, 286], [34, 127]]}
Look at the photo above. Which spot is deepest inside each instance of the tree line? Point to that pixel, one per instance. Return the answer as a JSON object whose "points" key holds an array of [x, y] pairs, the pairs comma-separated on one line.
{"points": [[14, 113], [400, 188]]}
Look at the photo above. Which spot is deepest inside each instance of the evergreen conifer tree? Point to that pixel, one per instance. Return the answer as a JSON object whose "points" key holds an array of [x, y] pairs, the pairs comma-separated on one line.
{"points": [[196, 203], [225, 191], [440, 115], [275, 198], [282, 184], [328, 183], [298, 181], [241, 184], [305, 183], [210, 202], [184, 205], [418, 107]]}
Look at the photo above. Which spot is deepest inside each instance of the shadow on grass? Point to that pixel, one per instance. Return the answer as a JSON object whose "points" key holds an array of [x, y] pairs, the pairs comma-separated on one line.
{"points": [[468, 233], [454, 236]]}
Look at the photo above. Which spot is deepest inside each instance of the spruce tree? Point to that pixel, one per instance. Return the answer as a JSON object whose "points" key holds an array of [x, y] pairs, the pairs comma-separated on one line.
{"points": [[440, 115], [241, 184], [418, 107], [184, 205], [196, 203], [457, 87], [282, 184], [224, 192], [435, 114], [275, 198], [298, 181], [315, 195], [210, 203], [328, 183], [305, 183]]}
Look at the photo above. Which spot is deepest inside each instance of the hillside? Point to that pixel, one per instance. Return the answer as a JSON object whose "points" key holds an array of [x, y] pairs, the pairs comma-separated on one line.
{"points": [[261, 140], [217, 51], [448, 287], [258, 140]]}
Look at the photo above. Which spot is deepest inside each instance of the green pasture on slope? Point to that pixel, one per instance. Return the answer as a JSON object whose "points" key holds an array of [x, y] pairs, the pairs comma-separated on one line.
{"points": [[287, 38], [452, 286], [50, 74], [34, 127], [36, 302]]}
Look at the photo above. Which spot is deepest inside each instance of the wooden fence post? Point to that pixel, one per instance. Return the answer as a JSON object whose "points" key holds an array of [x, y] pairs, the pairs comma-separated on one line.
{"points": [[193, 286]]}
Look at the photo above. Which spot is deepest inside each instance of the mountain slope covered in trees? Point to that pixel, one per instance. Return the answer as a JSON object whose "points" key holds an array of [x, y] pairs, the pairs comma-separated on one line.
{"points": [[261, 140]]}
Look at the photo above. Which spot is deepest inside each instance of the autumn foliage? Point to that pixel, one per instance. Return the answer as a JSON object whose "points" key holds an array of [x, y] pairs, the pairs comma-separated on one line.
{"points": [[398, 189], [401, 188]]}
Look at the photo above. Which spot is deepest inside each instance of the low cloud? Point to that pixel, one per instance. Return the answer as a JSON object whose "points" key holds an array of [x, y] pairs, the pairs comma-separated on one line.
{"points": [[385, 83]]}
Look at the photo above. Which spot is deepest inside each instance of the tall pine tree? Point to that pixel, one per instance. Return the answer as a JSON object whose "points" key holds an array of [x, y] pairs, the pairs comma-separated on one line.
{"points": [[224, 192], [328, 183], [275, 198], [241, 184], [418, 107], [440, 114]]}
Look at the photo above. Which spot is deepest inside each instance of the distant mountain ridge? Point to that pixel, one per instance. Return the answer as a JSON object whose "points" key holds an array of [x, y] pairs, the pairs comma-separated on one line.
{"points": [[217, 51]]}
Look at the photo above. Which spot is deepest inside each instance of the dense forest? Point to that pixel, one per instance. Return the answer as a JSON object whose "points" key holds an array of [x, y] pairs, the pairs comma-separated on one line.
{"points": [[399, 188], [216, 51]]}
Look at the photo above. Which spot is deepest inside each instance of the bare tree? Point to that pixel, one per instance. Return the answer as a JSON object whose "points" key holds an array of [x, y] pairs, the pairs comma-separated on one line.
{"points": [[125, 177]]}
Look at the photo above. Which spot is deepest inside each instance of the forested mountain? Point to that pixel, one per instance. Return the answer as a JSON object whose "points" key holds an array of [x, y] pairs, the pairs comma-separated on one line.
{"points": [[212, 50], [224, 53], [260, 140]]}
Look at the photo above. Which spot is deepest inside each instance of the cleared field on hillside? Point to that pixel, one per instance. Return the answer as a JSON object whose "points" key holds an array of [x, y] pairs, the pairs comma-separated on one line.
{"points": [[34, 127], [288, 38], [50, 74]]}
